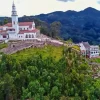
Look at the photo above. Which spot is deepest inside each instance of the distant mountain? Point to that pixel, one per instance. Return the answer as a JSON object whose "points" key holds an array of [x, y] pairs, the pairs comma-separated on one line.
{"points": [[80, 26], [71, 15]]}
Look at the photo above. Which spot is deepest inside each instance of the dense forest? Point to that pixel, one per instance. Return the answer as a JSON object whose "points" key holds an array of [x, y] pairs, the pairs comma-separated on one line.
{"points": [[79, 26], [49, 73]]}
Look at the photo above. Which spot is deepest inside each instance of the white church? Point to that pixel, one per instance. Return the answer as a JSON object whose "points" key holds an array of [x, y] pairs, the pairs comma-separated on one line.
{"points": [[18, 30]]}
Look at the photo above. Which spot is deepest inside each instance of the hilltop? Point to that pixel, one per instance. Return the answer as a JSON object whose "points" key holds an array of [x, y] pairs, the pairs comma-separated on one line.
{"points": [[80, 26]]}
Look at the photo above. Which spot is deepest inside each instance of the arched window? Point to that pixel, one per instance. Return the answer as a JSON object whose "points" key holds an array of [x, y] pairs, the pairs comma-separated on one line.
{"points": [[29, 36], [32, 36], [26, 36]]}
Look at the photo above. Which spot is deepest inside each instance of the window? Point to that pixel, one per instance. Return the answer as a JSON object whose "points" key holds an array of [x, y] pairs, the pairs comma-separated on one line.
{"points": [[4, 36], [26, 36], [91, 52], [29, 36], [14, 22], [32, 36]]}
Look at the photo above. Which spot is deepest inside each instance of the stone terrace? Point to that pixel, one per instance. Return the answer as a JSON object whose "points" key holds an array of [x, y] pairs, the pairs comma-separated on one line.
{"points": [[14, 47]]}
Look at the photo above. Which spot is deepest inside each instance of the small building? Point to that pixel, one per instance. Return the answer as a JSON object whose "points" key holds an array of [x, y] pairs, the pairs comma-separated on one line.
{"points": [[90, 51], [82, 48], [94, 51]]}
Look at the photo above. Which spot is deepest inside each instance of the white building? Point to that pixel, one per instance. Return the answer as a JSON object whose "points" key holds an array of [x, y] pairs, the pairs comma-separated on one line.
{"points": [[82, 48], [94, 51], [18, 30], [90, 51]]}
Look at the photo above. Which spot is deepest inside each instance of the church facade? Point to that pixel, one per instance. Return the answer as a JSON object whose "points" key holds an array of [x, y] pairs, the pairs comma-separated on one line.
{"points": [[18, 30]]}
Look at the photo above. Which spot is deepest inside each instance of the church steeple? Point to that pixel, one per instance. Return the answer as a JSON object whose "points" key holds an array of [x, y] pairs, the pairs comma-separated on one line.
{"points": [[14, 12], [15, 19]]}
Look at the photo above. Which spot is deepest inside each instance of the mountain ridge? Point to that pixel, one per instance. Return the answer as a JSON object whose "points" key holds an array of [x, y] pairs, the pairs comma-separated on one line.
{"points": [[80, 26]]}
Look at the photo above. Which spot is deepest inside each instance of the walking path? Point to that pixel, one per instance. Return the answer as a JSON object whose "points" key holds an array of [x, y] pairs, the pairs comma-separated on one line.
{"points": [[14, 47]]}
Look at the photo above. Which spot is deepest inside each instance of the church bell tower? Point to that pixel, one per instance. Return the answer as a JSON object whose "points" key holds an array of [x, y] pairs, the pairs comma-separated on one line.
{"points": [[15, 19]]}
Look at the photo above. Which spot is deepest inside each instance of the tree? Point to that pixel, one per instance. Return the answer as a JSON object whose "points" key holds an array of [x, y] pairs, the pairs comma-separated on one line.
{"points": [[7, 87], [55, 29], [55, 93], [5, 21]]}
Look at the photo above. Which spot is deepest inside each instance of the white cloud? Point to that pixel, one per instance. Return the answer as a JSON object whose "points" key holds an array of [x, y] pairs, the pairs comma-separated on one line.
{"points": [[34, 7]]}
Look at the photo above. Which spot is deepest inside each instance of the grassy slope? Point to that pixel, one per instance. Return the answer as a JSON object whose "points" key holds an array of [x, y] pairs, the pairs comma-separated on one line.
{"points": [[97, 60], [55, 52], [3, 45]]}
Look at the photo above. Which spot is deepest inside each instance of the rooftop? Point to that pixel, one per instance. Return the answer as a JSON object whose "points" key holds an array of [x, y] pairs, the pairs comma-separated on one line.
{"points": [[86, 44], [20, 24]]}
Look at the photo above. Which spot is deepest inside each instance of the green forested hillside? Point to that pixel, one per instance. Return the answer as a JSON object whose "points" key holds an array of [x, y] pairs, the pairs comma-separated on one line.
{"points": [[50, 73]]}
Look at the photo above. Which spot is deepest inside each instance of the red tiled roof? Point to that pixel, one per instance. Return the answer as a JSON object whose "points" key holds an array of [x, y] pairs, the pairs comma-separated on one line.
{"points": [[10, 28], [20, 24], [8, 24], [3, 32], [25, 23], [28, 31], [30, 26], [1, 26]]}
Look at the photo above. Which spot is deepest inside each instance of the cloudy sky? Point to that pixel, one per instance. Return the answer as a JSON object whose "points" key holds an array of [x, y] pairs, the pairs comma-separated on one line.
{"points": [[35, 7]]}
